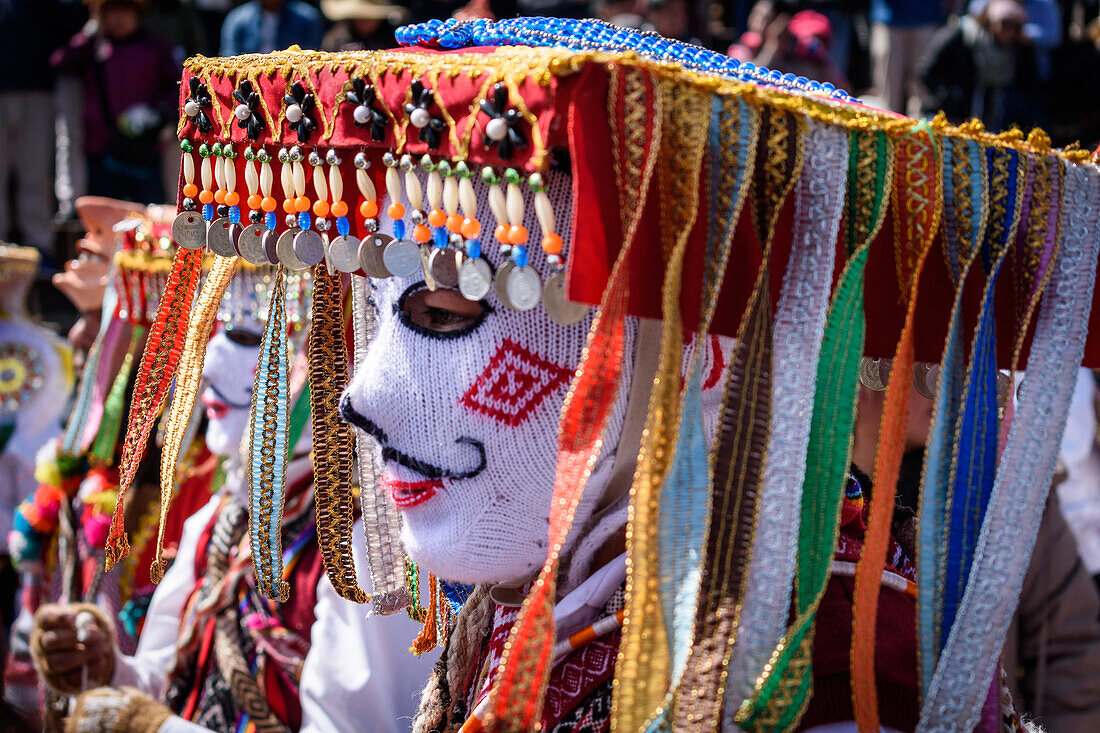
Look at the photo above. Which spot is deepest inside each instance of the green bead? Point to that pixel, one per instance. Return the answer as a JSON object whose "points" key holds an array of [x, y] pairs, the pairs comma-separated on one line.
{"points": [[229, 151], [426, 163], [249, 153], [204, 150], [216, 150], [462, 170], [512, 176], [444, 168], [536, 182], [186, 146], [489, 176], [263, 156]]}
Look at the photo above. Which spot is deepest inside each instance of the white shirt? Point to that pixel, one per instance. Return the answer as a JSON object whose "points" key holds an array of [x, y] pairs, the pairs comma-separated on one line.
{"points": [[358, 674]]}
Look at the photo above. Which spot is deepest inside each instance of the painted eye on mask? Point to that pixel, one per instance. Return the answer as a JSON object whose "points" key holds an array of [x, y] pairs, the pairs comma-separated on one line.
{"points": [[242, 336], [442, 313]]}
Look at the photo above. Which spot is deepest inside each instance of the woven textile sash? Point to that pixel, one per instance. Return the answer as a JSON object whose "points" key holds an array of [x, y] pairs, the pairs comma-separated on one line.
{"points": [[155, 375], [381, 522], [644, 642], [917, 202], [636, 113], [737, 462], [78, 419], [961, 682], [102, 452], [187, 387], [268, 446], [783, 690], [976, 440], [799, 323], [328, 376], [964, 186], [682, 521]]}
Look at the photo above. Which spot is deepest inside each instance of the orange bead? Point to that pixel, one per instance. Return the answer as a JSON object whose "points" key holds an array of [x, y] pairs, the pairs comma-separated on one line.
{"points": [[206, 197], [190, 190], [422, 233], [288, 206], [320, 208], [454, 223], [471, 228], [437, 218], [232, 198], [219, 196], [517, 234], [369, 209], [339, 208], [396, 211], [254, 201], [301, 204], [501, 233], [551, 244], [269, 204]]}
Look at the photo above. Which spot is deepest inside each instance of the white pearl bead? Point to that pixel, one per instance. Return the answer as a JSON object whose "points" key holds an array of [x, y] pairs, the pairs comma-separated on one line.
{"points": [[242, 112], [191, 108], [420, 117], [497, 129], [361, 115], [293, 113]]}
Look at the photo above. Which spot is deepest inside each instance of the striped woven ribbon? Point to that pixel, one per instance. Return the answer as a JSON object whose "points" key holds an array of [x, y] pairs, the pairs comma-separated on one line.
{"points": [[783, 690], [955, 698], [964, 187], [155, 376], [269, 445], [799, 323]]}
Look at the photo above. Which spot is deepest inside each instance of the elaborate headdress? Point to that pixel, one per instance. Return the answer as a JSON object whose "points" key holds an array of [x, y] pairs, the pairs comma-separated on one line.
{"points": [[756, 205]]}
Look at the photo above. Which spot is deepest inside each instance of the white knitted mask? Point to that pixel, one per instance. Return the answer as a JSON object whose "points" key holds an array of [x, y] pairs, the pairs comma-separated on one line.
{"points": [[468, 423], [229, 371]]}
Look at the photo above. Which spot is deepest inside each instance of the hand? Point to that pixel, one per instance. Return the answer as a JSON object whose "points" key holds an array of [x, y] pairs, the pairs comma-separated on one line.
{"points": [[73, 647], [117, 709], [138, 119]]}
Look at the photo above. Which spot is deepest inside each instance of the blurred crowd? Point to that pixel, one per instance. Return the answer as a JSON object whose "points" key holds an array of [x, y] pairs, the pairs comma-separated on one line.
{"points": [[88, 105]]}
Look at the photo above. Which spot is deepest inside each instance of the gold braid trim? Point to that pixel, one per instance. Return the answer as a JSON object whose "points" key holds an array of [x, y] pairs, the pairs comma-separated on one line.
{"points": [[328, 375]]}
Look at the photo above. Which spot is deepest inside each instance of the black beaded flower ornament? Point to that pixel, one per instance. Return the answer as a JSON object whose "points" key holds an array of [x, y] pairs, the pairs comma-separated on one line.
{"points": [[503, 129], [299, 104], [419, 111], [366, 112]]}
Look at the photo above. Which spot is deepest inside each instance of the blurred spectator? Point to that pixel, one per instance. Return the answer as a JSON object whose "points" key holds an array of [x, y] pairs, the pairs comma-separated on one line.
{"points": [[361, 25], [752, 40], [900, 31], [1043, 28], [129, 94], [31, 30], [799, 45], [263, 26], [176, 21], [211, 16], [670, 18], [974, 65]]}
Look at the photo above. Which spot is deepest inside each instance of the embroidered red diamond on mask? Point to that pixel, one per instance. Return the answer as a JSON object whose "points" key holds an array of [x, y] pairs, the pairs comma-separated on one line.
{"points": [[514, 384]]}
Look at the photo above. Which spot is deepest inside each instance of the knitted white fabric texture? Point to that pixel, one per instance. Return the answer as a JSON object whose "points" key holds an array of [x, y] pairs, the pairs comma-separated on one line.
{"points": [[486, 403]]}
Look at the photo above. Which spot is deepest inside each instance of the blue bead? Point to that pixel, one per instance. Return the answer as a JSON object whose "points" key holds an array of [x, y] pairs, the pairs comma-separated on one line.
{"points": [[473, 247], [208, 212], [399, 229], [828, 87], [839, 94], [270, 221], [519, 256], [439, 237], [303, 220], [235, 214], [342, 226]]}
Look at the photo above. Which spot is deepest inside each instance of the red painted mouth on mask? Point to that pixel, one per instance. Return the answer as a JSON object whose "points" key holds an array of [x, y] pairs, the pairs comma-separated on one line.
{"points": [[215, 408], [407, 494]]}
